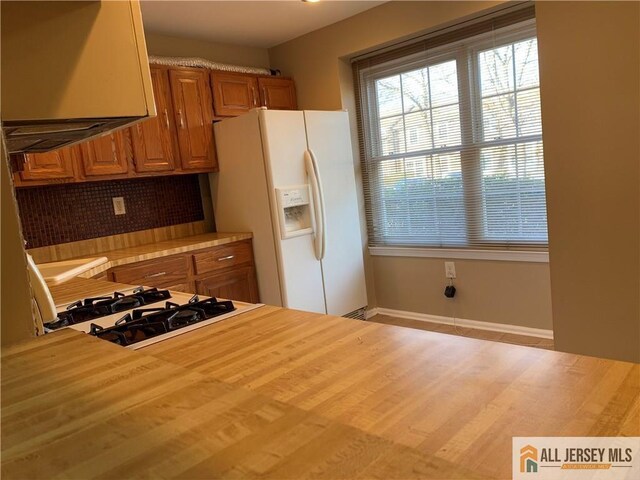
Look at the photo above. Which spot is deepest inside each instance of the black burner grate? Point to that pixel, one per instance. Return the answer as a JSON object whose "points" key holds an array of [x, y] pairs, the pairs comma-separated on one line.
{"points": [[97, 307], [147, 323]]}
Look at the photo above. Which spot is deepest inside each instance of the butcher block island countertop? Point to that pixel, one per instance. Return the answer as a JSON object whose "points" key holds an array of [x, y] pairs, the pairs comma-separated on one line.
{"points": [[277, 393]]}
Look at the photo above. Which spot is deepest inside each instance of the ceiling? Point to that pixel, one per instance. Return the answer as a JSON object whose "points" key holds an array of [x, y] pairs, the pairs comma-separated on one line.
{"points": [[251, 23]]}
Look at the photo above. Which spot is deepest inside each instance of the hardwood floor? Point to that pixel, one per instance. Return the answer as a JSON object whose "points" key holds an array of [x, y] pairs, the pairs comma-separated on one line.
{"points": [[511, 338]]}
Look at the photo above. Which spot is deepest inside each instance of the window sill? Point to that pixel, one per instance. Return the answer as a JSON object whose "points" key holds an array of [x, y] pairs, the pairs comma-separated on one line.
{"points": [[492, 255]]}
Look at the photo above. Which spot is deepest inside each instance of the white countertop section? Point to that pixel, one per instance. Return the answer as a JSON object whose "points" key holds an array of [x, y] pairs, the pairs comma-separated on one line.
{"points": [[56, 273]]}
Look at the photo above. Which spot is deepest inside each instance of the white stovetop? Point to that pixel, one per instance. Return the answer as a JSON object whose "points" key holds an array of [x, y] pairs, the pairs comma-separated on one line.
{"points": [[176, 297]]}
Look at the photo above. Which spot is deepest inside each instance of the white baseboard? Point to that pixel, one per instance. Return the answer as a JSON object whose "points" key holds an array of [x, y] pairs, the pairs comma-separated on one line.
{"points": [[462, 322], [371, 313]]}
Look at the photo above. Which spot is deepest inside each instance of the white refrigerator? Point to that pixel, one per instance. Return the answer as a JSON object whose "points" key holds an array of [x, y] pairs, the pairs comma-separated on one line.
{"points": [[288, 177]]}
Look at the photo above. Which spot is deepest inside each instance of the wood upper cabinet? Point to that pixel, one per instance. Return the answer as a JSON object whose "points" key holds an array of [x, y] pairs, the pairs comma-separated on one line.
{"points": [[153, 139], [193, 109], [277, 93], [109, 154], [234, 94], [55, 165]]}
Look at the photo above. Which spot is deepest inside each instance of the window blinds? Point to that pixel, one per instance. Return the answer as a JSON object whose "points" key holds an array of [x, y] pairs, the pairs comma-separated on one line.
{"points": [[451, 140]]}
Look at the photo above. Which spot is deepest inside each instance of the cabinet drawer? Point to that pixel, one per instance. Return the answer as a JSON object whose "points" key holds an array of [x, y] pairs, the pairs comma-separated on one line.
{"points": [[222, 257], [154, 273]]}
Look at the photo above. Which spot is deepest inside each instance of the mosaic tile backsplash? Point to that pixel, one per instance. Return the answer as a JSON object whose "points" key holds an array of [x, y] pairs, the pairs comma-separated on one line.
{"points": [[68, 213]]}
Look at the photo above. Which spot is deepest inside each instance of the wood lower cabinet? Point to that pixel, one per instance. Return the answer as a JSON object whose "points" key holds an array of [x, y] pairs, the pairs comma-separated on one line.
{"points": [[237, 284], [58, 165], [223, 257], [185, 287], [109, 154], [193, 108], [226, 271], [160, 272], [277, 93], [153, 139], [234, 94]]}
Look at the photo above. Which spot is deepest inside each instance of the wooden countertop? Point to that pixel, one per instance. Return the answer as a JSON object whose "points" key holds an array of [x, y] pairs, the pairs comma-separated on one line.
{"points": [[124, 256], [56, 273], [109, 412], [277, 393], [81, 288]]}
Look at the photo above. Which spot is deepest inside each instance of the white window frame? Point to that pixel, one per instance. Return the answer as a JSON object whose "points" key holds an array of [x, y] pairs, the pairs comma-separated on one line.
{"points": [[528, 256], [469, 97]]}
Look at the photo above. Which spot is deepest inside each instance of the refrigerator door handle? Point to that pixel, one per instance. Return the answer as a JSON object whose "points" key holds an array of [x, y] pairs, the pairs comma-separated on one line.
{"points": [[323, 219], [318, 204]]}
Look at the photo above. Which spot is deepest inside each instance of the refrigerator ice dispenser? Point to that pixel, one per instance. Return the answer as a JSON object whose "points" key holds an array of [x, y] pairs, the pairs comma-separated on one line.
{"points": [[294, 211]]}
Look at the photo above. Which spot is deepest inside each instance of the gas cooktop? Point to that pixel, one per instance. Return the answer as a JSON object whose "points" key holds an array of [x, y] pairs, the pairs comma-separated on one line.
{"points": [[134, 318], [97, 307], [143, 324]]}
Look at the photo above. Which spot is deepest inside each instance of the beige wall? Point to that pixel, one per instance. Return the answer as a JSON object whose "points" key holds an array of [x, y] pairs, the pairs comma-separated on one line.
{"points": [[15, 300], [501, 292], [485, 290], [590, 84], [219, 52]]}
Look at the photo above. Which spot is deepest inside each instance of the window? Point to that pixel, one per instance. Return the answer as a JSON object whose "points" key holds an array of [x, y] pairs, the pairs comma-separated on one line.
{"points": [[452, 144]]}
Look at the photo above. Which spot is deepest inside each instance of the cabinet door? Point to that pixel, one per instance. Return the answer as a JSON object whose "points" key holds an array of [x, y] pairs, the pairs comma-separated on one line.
{"points": [[233, 94], [278, 93], [194, 114], [54, 165], [153, 144], [237, 284], [185, 287], [107, 155]]}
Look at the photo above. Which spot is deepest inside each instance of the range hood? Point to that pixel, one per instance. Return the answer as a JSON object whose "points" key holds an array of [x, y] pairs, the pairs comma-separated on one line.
{"points": [[71, 71]]}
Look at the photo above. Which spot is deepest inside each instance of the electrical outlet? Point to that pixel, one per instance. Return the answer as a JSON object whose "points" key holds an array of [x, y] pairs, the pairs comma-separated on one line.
{"points": [[450, 269], [118, 205]]}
